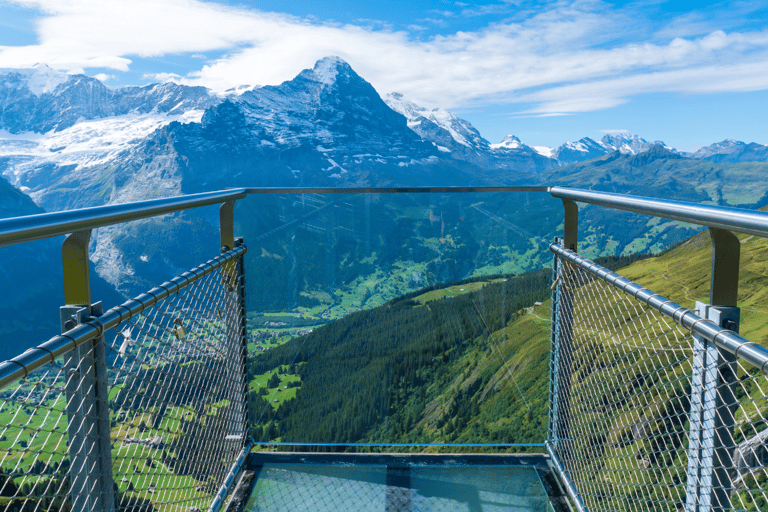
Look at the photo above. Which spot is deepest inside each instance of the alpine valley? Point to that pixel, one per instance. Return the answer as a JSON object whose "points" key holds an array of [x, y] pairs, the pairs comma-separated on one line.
{"points": [[68, 141]]}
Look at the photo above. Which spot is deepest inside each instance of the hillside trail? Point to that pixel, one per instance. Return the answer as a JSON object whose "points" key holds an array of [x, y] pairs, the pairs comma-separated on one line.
{"points": [[686, 289], [530, 312]]}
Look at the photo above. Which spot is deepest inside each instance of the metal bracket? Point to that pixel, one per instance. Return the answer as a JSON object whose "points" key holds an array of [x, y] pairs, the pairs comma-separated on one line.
{"points": [[227, 225], [726, 250], [77, 278], [571, 225]]}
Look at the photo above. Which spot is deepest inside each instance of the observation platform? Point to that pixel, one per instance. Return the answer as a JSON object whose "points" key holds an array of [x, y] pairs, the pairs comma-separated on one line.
{"points": [[361, 324]]}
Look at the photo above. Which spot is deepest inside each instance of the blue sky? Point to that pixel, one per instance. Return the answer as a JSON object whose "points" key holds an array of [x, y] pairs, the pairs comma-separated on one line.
{"points": [[687, 73]]}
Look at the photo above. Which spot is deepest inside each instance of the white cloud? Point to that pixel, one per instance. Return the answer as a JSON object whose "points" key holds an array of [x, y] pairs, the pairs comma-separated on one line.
{"points": [[567, 57]]}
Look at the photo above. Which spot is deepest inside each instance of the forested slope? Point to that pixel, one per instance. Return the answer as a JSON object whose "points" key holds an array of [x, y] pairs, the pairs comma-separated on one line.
{"points": [[466, 363]]}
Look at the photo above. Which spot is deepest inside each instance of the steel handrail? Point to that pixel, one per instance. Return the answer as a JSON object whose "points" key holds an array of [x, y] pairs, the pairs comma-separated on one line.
{"points": [[389, 190], [723, 217], [34, 227], [17, 230]]}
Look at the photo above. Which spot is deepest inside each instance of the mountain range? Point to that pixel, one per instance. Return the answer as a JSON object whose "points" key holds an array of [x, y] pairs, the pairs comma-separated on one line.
{"points": [[327, 124], [68, 141]]}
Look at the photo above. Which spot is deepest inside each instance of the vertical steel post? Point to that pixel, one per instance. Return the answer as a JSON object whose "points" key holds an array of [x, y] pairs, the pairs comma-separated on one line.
{"points": [[77, 277], [713, 403], [245, 418], [564, 336], [233, 325], [554, 360], [88, 426]]}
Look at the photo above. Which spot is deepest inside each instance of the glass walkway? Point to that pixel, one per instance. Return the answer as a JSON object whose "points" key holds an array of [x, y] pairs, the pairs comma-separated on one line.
{"points": [[383, 482]]}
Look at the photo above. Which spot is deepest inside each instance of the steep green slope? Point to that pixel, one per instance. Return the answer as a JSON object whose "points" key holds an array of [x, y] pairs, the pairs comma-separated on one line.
{"points": [[414, 370], [465, 363]]}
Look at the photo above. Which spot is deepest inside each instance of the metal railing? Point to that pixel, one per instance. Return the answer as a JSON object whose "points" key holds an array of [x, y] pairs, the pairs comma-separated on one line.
{"points": [[654, 406], [141, 407]]}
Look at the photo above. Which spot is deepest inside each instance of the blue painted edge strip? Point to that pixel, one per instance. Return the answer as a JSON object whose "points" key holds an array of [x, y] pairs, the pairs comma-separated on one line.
{"points": [[415, 445]]}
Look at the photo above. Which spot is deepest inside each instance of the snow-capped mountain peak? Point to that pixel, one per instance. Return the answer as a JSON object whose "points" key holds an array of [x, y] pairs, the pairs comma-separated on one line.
{"points": [[38, 79], [545, 151], [730, 150], [327, 69], [510, 142], [630, 144]]}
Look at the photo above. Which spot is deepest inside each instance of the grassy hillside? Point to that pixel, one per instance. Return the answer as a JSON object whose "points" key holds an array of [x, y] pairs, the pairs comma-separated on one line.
{"points": [[461, 363]]}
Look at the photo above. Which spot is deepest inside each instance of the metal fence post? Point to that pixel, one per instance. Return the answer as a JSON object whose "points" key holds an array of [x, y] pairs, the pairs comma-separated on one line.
{"points": [[243, 336], [88, 426], [554, 360], [234, 319], [713, 403], [562, 346]]}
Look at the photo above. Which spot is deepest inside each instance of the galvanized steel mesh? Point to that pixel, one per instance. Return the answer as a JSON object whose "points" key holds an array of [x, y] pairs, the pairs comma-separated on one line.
{"points": [[622, 423], [173, 422]]}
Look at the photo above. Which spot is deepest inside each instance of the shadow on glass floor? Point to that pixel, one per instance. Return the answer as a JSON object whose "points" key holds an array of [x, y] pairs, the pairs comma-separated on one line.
{"points": [[399, 483]]}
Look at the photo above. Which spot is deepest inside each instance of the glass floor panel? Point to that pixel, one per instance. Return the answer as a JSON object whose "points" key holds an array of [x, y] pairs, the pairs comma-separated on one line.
{"points": [[397, 486]]}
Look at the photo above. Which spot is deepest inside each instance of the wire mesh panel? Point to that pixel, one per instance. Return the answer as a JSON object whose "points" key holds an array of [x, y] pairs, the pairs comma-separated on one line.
{"points": [[149, 416], [645, 416]]}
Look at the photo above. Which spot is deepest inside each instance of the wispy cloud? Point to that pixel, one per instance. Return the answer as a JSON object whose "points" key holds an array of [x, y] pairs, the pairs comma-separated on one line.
{"points": [[565, 57]]}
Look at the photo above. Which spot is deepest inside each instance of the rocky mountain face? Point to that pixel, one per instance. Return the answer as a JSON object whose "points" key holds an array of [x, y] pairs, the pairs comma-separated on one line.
{"points": [[326, 127], [69, 142], [584, 149], [587, 148], [629, 144]]}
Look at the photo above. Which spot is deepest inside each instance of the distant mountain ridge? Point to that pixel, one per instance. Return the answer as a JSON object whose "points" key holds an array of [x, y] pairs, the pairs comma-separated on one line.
{"points": [[729, 151], [41, 99]]}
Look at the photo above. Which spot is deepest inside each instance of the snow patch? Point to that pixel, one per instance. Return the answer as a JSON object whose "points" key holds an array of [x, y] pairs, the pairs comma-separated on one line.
{"points": [[326, 70], [334, 165], [544, 151], [509, 142]]}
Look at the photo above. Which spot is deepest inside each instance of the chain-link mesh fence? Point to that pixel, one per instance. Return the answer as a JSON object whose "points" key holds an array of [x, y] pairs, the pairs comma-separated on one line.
{"points": [[645, 416], [149, 416]]}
